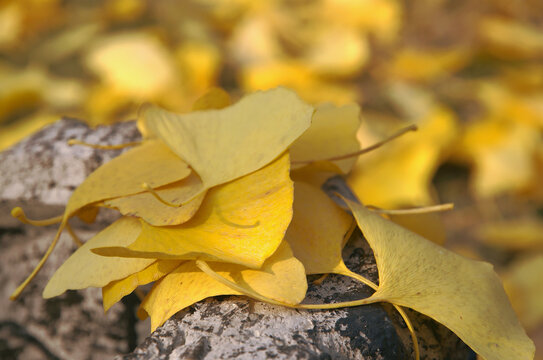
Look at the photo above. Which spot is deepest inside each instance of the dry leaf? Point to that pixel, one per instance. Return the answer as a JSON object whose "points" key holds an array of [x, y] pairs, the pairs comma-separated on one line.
{"points": [[524, 285], [152, 163], [317, 231], [241, 222], [84, 269], [464, 295], [117, 289], [332, 133], [147, 207], [223, 145], [281, 277]]}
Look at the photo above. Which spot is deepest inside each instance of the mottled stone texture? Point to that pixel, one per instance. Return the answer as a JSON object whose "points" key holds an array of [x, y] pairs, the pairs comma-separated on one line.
{"points": [[39, 175]]}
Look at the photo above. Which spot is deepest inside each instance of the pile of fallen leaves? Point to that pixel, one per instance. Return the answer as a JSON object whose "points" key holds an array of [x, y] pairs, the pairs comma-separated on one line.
{"points": [[468, 73], [227, 200]]}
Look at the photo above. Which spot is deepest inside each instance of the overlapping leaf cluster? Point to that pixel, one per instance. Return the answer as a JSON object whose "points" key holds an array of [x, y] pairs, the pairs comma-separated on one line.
{"points": [[231, 204]]}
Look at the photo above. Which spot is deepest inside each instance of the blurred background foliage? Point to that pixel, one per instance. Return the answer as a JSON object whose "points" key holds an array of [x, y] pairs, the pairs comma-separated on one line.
{"points": [[469, 73]]}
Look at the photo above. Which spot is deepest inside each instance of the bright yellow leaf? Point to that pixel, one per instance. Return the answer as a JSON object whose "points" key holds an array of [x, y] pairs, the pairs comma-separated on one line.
{"points": [[502, 153], [117, 289], [400, 173], [135, 64], [152, 163], [338, 51], [84, 268], [154, 212], [223, 145], [242, 222], [281, 278], [332, 133], [464, 295]]}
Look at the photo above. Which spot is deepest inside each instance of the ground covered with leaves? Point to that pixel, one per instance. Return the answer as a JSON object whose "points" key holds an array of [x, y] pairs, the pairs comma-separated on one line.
{"points": [[469, 74]]}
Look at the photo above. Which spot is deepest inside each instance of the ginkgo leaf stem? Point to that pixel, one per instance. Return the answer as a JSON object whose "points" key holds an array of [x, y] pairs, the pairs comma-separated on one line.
{"points": [[361, 151], [202, 265], [19, 214], [320, 279], [103, 147], [411, 329], [74, 236], [418, 210], [400, 310], [358, 277], [158, 197], [38, 267]]}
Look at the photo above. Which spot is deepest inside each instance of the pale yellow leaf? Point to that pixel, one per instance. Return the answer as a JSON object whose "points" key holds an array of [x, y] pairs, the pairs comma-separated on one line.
{"points": [[136, 64], [399, 173], [152, 163], [223, 145], [524, 285], [428, 225], [464, 295], [242, 222], [154, 212], [332, 133], [502, 153], [281, 278], [85, 269], [524, 234]]}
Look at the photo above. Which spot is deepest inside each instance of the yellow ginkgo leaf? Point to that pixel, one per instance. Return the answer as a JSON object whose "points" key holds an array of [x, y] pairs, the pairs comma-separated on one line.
{"points": [[242, 222], [147, 207], [426, 65], [223, 145], [464, 295], [332, 133], [524, 285], [317, 230], [524, 234], [123, 61], [152, 163], [399, 174], [215, 98], [84, 269], [116, 290], [427, 225], [502, 153], [282, 278], [510, 39]]}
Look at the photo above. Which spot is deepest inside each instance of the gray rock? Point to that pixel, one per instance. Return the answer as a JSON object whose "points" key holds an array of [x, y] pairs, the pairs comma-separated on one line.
{"points": [[71, 326], [39, 175]]}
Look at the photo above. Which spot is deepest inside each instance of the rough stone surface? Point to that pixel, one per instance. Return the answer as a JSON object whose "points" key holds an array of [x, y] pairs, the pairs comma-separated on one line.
{"points": [[71, 326], [41, 172]]}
